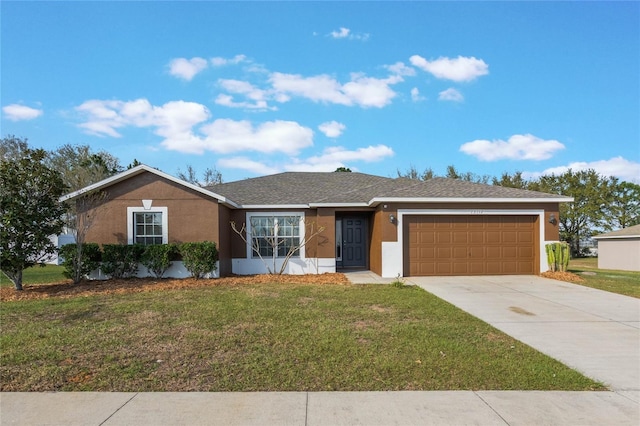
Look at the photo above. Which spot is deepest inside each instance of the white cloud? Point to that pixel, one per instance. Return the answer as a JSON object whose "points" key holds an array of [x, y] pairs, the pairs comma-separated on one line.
{"points": [[17, 112], [458, 69], [220, 61], [173, 121], [369, 154], [225, 136], [451, 94], [332, 129], [518, 147], [361, 90], [399, 68], [619, 167], [244, 163], [345, 33], [186, 69], [342, 33], [416, 96], [258, 97]]}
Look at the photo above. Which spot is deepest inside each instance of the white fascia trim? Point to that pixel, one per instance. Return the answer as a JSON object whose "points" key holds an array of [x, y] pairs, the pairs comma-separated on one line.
{"points": [[315, 205], [619, 237], [274, 206], [136, 171], [131, 224], [375, 201], [476, 212], [302, 227]]}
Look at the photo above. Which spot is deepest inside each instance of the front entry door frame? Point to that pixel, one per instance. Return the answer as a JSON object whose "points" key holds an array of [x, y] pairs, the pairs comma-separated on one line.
{"points": [[352, 240]]}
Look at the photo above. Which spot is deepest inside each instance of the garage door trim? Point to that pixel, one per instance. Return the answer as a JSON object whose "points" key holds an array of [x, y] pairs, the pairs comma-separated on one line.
{"points": [[476, 212]]}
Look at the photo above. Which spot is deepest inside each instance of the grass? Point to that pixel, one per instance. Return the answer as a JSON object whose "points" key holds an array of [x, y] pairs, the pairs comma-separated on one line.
{"points": [[621, 282], [37, 275], [265, 337]]}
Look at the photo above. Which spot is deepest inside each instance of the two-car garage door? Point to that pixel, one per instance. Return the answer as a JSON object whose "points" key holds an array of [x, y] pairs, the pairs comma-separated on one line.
{"points": [[470, 245]]}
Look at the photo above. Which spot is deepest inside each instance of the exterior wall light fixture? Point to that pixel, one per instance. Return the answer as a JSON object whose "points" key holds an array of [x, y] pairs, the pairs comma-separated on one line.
{"points": [[552, 219], [392, 218]]}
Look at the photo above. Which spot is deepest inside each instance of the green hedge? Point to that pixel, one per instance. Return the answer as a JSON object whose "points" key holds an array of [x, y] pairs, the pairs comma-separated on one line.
{"points": [[121, 261], [78, 267], [199, 258], [158, 258]]}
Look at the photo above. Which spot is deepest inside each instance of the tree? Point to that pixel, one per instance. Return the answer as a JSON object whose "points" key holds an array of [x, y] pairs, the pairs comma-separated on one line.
{"points": [[591, 193], [13, 148], [453, 173], [343, 169], [412, 173], [80, 167], [624, 208], [511, 181], [30, 213], [209, 177]]}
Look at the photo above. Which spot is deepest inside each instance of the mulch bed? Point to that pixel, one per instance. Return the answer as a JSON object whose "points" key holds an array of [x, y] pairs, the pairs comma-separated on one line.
{"points": [[563, 276], [138, 285]]}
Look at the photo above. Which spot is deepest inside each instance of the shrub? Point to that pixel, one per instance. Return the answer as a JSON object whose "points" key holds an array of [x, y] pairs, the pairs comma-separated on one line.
{"points": [[121, 261], [558, 256], [78, 266], [199, 258], [158, 258]]}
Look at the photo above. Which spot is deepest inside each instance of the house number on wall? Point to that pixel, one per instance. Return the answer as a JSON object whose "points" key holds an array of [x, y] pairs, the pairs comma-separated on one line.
{"points": [[477, 212]]}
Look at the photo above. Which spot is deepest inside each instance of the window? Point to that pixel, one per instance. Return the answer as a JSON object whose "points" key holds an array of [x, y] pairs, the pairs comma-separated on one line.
{"points": [[279, 234], [147, 228]]}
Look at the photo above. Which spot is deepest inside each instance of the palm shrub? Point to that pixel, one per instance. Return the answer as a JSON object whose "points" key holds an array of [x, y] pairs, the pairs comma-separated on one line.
{"points": [[78, 265], [121, 261], [199, 258], [158, 258]]}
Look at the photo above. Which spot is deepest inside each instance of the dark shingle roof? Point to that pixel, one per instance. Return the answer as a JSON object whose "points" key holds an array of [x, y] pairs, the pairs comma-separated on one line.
{"points": [[303, 188]]}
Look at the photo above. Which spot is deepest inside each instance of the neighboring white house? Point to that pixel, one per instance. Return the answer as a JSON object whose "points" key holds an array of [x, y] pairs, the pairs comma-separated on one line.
{"points": [[59, 241], [619, 249]]}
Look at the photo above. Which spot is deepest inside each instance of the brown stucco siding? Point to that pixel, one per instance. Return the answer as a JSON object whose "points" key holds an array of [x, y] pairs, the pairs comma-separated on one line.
{"points": [[191, 216], [224, 238]]}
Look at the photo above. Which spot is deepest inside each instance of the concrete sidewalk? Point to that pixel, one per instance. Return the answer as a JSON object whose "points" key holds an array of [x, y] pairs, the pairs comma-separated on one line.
{"points": [[319, 408]]}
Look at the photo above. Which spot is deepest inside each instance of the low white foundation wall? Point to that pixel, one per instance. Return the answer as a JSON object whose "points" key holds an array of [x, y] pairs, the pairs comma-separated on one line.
{"points": [[177, 270], [296, 266]]}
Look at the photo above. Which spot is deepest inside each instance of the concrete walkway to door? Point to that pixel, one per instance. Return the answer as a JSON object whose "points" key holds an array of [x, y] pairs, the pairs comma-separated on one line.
{"points": [[593, 331]]}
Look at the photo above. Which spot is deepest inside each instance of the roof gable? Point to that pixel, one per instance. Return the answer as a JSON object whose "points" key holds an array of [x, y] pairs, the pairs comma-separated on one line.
{"points": [[629, 232], [135, 171]]}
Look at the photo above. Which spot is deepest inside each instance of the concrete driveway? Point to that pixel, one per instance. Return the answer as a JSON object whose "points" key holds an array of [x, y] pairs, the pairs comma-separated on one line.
{"points": [[593, 331]]}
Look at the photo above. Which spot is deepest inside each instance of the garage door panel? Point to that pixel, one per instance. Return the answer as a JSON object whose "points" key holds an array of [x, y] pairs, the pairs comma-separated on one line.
{"points": [[471, 245]]}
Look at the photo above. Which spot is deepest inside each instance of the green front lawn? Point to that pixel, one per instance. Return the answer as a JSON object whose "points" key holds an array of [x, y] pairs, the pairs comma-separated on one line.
{"points": [[37, 275], [265, 337], [621, 282]]}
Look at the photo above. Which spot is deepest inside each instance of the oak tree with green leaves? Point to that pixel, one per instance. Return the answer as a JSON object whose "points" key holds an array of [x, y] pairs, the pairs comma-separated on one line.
{"points": [[30, 212], [592, 193]]}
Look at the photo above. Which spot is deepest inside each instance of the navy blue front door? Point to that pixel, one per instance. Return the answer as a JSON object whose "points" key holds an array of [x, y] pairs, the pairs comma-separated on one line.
{"points": [[354, 242]]}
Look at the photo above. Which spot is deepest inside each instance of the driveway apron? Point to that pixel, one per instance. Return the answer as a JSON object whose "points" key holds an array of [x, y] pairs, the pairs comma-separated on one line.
{"points": [[593, 331]]}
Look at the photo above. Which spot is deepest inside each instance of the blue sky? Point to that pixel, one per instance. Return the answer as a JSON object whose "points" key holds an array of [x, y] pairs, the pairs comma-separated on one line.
{"points": [[254, 88]]}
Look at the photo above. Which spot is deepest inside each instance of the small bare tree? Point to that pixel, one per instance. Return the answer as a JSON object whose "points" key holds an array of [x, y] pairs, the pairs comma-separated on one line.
{"points": [[274, 242]]}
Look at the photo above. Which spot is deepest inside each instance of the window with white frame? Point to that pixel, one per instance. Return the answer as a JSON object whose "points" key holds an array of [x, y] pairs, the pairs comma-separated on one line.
{"points": [[275, 235], [147, 226]]}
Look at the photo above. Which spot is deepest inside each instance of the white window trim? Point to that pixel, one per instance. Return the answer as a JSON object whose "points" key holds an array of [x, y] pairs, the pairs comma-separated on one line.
{"points": [[301, 225], [131, 223]]}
